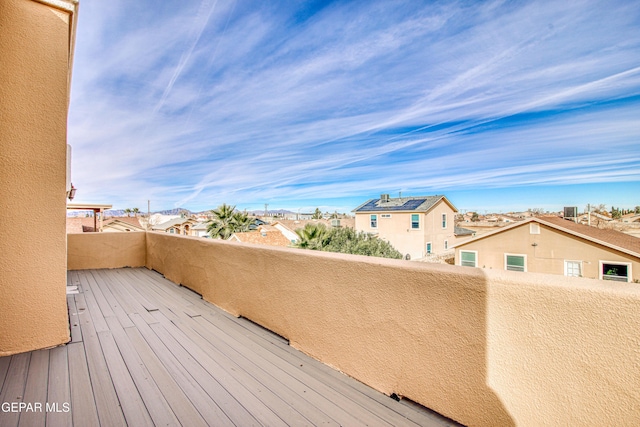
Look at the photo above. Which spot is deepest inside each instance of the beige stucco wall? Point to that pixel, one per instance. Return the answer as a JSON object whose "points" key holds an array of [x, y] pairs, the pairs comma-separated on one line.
{"points": [[106, 250], [34, 70], [552, 248], [397, 230], [483, 347]]}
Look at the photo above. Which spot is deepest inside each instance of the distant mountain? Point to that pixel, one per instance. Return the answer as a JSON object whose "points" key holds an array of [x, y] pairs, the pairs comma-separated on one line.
{"points": [[270, 212], [176, 211]]}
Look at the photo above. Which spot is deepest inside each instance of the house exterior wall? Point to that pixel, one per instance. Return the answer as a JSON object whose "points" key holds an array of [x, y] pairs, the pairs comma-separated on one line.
{"points": [[397, 230], [552, 248], [35, 44]]}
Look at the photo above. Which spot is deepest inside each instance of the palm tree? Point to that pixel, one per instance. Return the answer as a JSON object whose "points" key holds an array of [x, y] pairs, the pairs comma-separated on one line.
{"points": [[127, 211], [135, 211], [225, 221], [312, 236], [241, 222], [220, 225]]}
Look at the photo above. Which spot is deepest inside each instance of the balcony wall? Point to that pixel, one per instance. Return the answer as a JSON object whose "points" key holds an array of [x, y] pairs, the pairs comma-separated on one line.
{"points": [[106, 250], [481, 347]]}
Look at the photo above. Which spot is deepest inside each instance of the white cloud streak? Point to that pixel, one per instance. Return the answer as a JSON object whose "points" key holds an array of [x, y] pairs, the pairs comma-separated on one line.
{"points": [[247, 104]]}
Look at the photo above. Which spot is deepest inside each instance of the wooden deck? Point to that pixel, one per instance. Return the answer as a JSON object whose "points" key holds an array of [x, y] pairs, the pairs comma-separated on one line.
{"points": [[147, 352]]}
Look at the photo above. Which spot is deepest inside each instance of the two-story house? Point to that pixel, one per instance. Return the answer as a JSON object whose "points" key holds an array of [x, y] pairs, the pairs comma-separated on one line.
{"points": [[415, 226]]}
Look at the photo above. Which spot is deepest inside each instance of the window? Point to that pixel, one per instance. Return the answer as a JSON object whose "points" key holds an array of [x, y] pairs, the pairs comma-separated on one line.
{"points": [[573, 268], [616, 271], [172, 231], [429, 247], [534, 228], [446, 244], [469, 258], [515, 262], [415, 221], [374, 221], [444, 220]]}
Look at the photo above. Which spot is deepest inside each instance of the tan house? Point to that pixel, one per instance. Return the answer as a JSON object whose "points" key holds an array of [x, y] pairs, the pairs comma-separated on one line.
{"points": [[122, 224], [415, 226], [182, 226], [556, 246]]}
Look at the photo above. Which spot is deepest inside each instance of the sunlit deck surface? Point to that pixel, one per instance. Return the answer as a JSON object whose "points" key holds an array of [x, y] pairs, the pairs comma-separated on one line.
{"points": [[145, 351]]}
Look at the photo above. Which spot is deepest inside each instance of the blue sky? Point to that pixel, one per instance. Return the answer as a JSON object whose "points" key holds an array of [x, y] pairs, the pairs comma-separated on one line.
{"points": [[502, 105]]}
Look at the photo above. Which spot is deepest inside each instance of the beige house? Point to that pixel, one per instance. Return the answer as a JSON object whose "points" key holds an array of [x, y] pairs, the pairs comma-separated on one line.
{"points": [[415, 226], [556, 246], [182, 226]]}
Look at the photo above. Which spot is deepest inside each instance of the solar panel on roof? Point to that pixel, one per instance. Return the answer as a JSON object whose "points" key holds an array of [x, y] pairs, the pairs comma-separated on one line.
{"points": [[409, 205]]}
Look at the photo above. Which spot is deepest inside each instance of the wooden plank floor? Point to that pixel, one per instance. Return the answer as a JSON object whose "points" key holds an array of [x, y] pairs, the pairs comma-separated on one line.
{"points": [[145, 351]]}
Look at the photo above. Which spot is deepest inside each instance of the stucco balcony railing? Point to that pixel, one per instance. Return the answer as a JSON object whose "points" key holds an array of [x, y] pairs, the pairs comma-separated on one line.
{"points": [[481, 347]]}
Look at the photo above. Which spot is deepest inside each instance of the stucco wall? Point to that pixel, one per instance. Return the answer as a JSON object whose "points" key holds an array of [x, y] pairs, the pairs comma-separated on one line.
{"points": [[482, 347], [552, 248], [106, 250], [34, 52]]}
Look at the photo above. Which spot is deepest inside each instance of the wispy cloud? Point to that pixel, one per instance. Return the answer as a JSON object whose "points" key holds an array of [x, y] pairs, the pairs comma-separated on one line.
{"points": [[248, 103]]}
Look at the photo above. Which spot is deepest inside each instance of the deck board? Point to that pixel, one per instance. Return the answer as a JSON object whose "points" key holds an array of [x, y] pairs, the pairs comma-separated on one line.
{"points": [[82, 398], [59, 390], [36, 388], [146, 351], [14, 386]]}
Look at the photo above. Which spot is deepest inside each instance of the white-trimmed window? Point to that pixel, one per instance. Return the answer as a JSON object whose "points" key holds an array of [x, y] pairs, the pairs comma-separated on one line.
{"points": [[429, 248], [534, 228], [469, 258], [415, 221], [573, 268], [373, 221], [444, 220], [616, 271], [515, 262]]}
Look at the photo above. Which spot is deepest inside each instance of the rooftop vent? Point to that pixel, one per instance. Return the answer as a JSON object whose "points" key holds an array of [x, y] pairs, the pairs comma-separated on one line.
{"points": [[570, 212]]}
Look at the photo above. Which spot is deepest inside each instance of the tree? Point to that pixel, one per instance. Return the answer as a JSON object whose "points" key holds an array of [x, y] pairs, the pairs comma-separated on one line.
{"points": [[135, 211], [225, 221], [344, 240], [637, 209], [312, 236], [474, 217], [615, 213], [127, 211], [317, 214]]}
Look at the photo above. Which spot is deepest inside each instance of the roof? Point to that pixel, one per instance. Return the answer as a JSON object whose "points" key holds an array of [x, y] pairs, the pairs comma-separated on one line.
{"points": [[87, 206], [171, 223], [265, 236], [610, 238], [461, 231], [412, 204], [123, 224]]}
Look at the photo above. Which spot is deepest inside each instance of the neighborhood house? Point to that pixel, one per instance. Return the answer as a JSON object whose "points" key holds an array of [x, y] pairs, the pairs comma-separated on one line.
{"points": [[557, 246], [415, 226]]}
